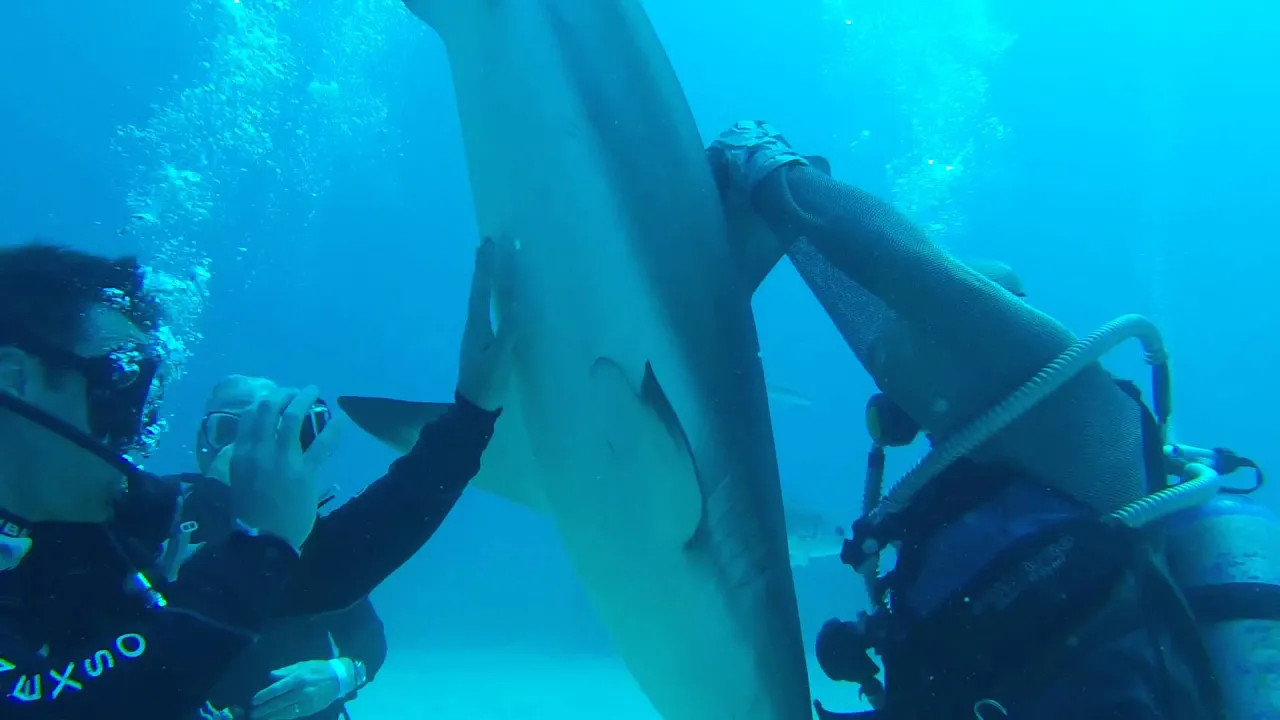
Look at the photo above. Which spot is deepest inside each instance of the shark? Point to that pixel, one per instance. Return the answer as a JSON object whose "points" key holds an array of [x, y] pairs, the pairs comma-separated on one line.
{"points": [[638, 417]]}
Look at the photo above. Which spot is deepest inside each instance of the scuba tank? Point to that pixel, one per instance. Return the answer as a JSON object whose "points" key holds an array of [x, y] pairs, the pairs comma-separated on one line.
{"points": [[1225, 557], [1216, 545]]}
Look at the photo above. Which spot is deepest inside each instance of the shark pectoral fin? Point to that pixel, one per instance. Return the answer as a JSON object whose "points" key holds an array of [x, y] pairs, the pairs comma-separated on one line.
{"points": [[395, 423], [647, 442]]}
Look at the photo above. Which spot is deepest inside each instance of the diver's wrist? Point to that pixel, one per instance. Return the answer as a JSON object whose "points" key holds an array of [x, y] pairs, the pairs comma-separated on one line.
{"points": [[344, 669], [245, 528]]}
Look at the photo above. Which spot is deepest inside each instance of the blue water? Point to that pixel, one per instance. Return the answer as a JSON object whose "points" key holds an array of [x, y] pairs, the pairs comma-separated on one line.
{"points": [[303, 162]]}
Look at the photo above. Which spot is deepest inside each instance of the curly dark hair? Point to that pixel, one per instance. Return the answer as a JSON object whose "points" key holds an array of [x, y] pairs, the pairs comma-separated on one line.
{"points": [[47, 290]]}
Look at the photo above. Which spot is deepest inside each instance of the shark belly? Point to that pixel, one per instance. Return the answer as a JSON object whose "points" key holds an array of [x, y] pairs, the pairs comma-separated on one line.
{"points": [[638, 417]]}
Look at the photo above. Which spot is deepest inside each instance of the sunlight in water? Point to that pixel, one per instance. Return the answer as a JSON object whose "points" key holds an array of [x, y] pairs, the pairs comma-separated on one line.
{"points": [[264, 123], [934, 55]]}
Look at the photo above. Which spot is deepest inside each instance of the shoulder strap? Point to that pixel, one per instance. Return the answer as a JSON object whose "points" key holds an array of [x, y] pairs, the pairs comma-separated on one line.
{"points": [[1152, 442]]}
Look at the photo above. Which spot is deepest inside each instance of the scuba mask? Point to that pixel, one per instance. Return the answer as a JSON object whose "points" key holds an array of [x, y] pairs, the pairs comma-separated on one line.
{"points": [[123, 390], [218, 428]]}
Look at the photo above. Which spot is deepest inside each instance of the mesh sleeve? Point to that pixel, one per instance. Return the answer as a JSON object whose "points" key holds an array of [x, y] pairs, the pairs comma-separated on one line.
{"points": [[946, 343]]}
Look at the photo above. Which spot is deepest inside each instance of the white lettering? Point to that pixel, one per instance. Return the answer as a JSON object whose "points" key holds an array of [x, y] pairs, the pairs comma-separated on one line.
{"points": [[27, 689], [138, 643], [209, 712], [31, 689], [64, 680], [99, 663]]}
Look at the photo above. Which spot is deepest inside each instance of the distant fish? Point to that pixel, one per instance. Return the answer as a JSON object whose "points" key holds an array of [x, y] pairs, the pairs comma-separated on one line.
{"points": [[812, 535], [137, 220], [787, 396]]}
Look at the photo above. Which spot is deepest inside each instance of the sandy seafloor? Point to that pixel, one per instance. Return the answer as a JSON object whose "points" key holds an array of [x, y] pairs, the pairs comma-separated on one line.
{"points": [[498, 685]]}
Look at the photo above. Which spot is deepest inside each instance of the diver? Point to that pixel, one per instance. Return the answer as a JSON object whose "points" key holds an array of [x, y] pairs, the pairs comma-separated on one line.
{"points": [[1015, 592], [307, 666], [83, 631]]}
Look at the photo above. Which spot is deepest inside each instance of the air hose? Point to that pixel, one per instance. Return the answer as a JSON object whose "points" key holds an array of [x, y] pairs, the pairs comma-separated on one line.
{"points": [[1054, 375], [1201, 484]]}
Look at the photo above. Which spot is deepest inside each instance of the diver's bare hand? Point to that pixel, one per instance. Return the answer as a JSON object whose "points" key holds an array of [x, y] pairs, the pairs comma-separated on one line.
{"points": [[274, 484], [484, 359]]}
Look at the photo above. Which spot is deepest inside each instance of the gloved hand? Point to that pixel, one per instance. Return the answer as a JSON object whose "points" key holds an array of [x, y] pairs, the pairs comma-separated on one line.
{"points": [[484, 359], [301, 689], [747, 153]]}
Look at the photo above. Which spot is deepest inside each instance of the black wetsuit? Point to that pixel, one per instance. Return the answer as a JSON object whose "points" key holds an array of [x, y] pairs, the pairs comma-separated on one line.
{"points": [[356, 632], [74, 644]]}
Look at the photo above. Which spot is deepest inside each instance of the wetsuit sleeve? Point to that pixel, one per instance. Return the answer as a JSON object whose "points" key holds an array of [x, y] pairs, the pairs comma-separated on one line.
{"points": [[880, 249], [161, 663], [354, 548], [871, 267], [359, 635]]}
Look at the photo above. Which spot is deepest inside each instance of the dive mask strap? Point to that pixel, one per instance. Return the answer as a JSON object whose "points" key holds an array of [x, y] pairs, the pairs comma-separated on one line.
{"points": [[145, 513], [70, 432]]}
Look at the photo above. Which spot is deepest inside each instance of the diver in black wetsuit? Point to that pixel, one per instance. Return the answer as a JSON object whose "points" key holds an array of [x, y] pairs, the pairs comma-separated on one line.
{"points": [[299, 667], [82, 632], [1101, 632]]}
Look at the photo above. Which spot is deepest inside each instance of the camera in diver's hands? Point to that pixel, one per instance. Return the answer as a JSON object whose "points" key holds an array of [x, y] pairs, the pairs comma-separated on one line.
{"points": [[314, 423]]}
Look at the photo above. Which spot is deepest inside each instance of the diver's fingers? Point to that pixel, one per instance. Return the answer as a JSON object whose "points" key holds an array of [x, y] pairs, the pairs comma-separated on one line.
{"points": [[300, 404], [507, 287], [323, 447], [260, 421], [504, 341], [478, 304]]}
